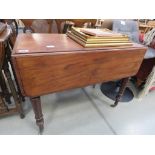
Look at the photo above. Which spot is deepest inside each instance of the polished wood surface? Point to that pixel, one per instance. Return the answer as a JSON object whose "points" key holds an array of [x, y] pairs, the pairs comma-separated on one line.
{"points": [[41, 70], [55, 43]]}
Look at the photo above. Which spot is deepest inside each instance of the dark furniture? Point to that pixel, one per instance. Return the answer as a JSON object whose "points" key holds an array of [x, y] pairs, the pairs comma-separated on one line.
{"points": [[6, 77], [12, 24], [47, 63], [3, 44]]}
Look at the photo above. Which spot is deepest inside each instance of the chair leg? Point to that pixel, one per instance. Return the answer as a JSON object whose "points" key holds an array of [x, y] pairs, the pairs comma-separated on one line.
{"points": [[14, 93], [3, 107]]}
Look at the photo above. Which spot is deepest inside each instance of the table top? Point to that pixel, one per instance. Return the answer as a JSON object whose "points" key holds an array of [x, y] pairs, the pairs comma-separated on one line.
{"points": [[51, 43]]}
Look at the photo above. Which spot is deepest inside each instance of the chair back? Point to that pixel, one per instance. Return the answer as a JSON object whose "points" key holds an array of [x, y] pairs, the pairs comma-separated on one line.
{"points": [[76, 22], [37, 25], [1, 55], [14, 28], [3, 37]]}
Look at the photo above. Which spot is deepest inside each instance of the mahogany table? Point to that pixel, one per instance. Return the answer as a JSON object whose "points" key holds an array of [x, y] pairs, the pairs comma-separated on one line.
{"points": [[47, 63]]}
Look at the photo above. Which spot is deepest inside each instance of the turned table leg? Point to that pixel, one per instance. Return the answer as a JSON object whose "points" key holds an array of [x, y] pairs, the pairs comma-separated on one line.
{"points": [[36, 104], [122, 88]]}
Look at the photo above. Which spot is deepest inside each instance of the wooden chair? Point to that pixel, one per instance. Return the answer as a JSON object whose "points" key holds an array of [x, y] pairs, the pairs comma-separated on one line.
{"points": [[5, 92], [3, 86], [9, 47], [146, 26], [37, 25], [151, 23], [5, 72], [14, 27], [75, 22]]}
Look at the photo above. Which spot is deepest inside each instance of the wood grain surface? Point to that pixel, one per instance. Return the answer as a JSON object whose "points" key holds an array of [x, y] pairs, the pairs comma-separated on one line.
{"points": [[51, 43], [69, 65]]}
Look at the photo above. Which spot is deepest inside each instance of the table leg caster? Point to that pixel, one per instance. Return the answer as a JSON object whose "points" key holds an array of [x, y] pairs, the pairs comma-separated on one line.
{"points": [[113, 105], [22, 116], [122, 88], [41, 129]]}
